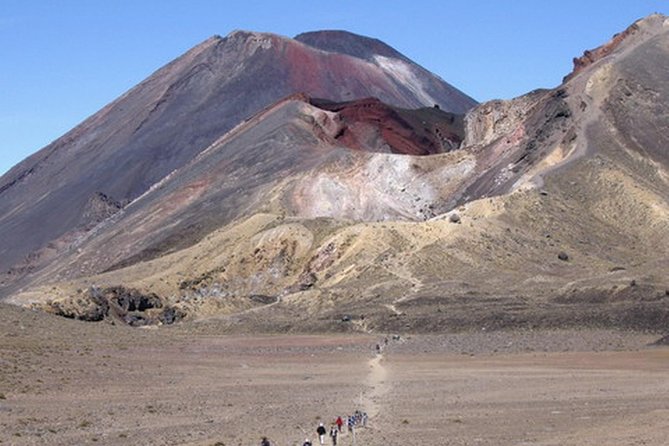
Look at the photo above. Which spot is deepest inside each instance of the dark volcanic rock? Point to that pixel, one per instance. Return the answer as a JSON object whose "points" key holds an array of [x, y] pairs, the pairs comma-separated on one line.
{"points": [[119, 303], [99, 208]]}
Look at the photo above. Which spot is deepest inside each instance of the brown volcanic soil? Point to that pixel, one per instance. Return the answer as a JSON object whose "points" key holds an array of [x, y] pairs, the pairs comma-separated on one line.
{"points": [[67, 382]]}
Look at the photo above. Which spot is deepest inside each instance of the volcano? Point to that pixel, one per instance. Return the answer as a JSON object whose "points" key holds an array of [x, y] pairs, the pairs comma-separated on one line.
{"points": [[168, 119], [365, 194]]}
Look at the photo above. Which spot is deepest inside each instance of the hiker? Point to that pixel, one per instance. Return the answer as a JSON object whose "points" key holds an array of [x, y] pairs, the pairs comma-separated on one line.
{"points": [[264, 442], [364, 419], [333, 434], [320, 430], [306, 442], [339, 423], [349, 423]]}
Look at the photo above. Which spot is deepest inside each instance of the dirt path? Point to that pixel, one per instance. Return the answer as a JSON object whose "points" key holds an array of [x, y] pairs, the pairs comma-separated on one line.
{"points": [[392, 307], [377, 386]]}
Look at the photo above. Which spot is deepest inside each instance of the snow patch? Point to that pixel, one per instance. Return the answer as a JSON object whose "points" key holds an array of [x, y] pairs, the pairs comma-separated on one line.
{"points": [[404, 73]]}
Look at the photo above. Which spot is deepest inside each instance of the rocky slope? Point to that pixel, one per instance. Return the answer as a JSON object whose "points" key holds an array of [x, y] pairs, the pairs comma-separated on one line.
{"points": [[311, 215]]}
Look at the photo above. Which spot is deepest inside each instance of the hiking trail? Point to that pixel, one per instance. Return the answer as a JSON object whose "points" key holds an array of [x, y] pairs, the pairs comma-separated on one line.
{"points": [[377, 386]]}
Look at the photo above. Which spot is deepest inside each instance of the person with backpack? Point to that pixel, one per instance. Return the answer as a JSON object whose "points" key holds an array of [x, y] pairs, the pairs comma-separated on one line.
{"points": [[265, 442], [307, 442], [320, 430], [333, 434], [339, 423]]}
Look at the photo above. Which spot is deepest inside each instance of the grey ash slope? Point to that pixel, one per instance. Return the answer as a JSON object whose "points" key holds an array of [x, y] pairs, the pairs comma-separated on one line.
{"points": [[376, 51], [344, 42], [165, 121]]}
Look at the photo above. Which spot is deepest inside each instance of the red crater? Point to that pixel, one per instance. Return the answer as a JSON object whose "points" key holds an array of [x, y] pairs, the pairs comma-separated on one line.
{"points": [[370, 125]]}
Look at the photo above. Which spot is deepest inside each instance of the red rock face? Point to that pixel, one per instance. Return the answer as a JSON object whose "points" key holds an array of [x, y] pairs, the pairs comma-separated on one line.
{"points": [[591, 56]]}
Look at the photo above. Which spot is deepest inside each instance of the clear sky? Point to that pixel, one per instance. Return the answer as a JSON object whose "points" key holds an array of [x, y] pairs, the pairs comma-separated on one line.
{"points": [[63, 60]]}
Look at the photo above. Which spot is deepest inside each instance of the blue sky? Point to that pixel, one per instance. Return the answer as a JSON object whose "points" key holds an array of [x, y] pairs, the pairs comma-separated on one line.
{"points": [[63, 60]]}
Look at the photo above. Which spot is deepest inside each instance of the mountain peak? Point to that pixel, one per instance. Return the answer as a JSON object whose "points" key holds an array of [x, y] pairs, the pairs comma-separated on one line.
{"points": [[345, 42], [638, 31], [654, 20], [251, 41], [244, 34]]}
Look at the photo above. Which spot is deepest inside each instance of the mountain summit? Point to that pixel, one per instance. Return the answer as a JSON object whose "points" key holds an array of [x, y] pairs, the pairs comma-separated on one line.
{"points": [[344, 42]]}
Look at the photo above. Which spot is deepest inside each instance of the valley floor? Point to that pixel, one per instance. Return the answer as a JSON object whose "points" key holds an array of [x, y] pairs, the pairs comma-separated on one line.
{"points": [[67, 382]]}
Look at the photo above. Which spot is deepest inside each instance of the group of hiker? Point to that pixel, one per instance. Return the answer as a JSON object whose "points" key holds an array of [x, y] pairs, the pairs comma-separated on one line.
{"points": [[380, 346], [358, 418]]}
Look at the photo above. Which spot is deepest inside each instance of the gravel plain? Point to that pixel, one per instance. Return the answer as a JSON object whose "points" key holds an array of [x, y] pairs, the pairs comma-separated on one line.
{"points": [[66, 382]]}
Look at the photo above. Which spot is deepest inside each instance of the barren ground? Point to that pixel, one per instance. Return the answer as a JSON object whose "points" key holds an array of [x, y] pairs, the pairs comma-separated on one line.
{"points": [[67, 382]]}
